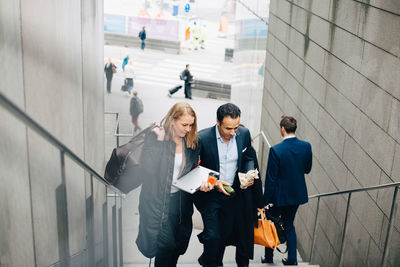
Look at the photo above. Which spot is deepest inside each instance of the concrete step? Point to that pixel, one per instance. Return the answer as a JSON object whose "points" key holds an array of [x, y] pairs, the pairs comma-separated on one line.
{"points": [[231, 264], [303, 264]]}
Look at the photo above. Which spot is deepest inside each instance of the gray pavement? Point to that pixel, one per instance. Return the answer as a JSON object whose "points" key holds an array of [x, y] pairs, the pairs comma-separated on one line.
{"points": [[153, 92]]}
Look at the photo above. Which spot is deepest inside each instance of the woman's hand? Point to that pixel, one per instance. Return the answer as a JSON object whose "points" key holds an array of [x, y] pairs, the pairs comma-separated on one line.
{"points": [[160, 132]]}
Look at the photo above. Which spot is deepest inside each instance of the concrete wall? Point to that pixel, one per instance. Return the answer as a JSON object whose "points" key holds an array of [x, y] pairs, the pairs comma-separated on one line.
{"points": [[248, 59], [335, 66], [52, 54]]}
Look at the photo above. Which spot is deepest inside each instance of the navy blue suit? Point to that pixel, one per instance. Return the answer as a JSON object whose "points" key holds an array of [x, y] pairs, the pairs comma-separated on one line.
{"points": [[219, 211], [285, 184]]}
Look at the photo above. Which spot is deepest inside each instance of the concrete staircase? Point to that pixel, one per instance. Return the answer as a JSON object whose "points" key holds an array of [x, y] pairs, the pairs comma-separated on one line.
{"points": [[303, 264]]}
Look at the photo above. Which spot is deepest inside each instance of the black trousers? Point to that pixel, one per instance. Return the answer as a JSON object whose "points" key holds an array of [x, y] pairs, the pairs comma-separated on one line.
{"points": [[218, 213], [288, 214], [109, 79], [188, 90]]}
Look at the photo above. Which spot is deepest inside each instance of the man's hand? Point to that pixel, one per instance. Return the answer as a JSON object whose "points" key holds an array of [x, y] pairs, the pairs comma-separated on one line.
{"points": [[250, 183], [247, 179], [219, 185], [206, 186], [268, 206]]}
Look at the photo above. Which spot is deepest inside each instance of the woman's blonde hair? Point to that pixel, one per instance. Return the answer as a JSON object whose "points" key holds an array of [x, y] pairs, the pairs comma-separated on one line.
{"points": [[174, 113]]}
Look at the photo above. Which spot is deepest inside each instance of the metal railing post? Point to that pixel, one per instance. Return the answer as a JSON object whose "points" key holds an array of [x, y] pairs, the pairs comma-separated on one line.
{"points": [[90, 225], [117, 130], [62, 216], [106, 252], [315, 230], [121, 260], [262, 158], [346, 218], [114, 233], [390, 228]]}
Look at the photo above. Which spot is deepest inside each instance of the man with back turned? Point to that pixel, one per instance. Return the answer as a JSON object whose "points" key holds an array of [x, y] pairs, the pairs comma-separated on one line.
{"points": [[285, 185]]}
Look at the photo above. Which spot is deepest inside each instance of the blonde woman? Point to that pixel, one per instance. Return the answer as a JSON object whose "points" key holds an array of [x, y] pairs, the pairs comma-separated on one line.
{"points": [[169, 152]]}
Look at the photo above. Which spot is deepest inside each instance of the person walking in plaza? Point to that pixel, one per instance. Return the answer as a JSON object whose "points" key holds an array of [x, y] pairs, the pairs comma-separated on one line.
{"points": [[196, 34], [188, 78], [129, 75], [136, 108], [170, 151], [203, 36], [125, 62], [228, 218], [285, 185], [109, 70], [142, 37]]}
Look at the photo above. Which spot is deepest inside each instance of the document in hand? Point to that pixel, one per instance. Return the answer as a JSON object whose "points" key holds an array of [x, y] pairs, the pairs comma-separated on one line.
{"points": [[191, 181]]}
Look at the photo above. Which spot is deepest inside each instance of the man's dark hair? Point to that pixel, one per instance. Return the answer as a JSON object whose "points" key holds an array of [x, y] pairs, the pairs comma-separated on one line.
{"points": [[227, 109], [289, 123], [187, 65]]}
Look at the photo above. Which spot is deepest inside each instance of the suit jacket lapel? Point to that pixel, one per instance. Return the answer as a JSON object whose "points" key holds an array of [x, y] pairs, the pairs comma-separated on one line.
{"points": [[239, 145], [214, 147]]}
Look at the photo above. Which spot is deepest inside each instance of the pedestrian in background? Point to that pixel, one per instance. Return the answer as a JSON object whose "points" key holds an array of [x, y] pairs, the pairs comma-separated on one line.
{"points": [[142, 37], [196, 33], [188, 78], [125, 62], [169, 152], [109, 70], [285, 185], [136, 108], [129, 75], [203, 36]]}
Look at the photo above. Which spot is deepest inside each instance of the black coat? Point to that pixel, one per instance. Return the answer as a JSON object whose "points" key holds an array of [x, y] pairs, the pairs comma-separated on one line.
{"points": [[249, 199], [158, 162], [108, 70], [187, 76]]}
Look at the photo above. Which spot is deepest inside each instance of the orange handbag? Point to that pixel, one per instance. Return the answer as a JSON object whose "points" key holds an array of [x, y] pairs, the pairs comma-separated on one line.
{"points": [[265, 234]]}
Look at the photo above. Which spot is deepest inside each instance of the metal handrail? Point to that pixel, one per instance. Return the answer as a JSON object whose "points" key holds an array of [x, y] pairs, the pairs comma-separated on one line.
{"points": [[261, 133], [355, 190], [116, 128], [349, 192], [31, 123], [264, 140]]}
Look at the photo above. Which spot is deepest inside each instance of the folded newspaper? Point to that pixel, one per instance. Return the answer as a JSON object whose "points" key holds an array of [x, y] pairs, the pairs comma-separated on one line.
{"points": [[246, 178]]}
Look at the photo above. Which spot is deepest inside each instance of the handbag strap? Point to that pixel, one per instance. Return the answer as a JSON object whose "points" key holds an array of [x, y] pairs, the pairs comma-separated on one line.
{"points": [[283, 252]]}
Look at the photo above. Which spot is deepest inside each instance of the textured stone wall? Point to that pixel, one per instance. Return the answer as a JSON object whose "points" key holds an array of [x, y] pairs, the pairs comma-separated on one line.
{"points": [[335, 66], [52, 60]]}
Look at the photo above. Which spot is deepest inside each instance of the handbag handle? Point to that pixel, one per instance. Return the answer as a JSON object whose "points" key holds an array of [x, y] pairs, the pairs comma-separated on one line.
{"points": [[264, 221]]}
